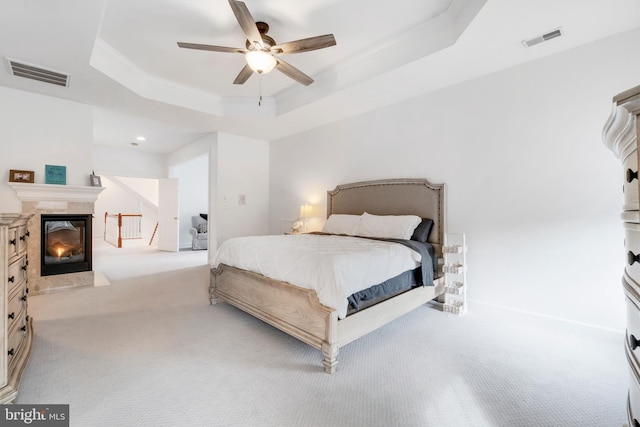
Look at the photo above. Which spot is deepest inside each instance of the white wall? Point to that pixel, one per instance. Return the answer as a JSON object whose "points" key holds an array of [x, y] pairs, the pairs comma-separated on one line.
{"points": [[197, 183], [241, 168], [37, 130], [134, 163], [529, 179], [193, 190]]}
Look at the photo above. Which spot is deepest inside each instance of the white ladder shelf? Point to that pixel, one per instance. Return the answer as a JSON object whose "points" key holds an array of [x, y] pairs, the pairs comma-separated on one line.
{"points": [[455, 273]]}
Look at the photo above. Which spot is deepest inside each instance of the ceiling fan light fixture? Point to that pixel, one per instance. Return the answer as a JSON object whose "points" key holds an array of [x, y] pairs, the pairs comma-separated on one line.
{"points": [[260, 61], [261, 50]]}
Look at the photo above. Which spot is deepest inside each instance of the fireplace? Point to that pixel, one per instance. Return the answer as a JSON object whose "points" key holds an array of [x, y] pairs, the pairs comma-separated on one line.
{"points": [[65, 244]]}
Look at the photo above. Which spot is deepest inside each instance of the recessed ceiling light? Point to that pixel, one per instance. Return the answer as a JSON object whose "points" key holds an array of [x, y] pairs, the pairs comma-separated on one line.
{"points": [[138, 140]]}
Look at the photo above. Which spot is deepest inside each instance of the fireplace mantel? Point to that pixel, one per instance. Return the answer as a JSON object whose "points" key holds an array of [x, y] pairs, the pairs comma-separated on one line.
{"points": [[54, 193]]}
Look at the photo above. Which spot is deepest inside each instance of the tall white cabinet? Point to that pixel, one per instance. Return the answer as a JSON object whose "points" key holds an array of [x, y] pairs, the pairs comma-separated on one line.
{"points": [[620, 134], [15, 345]]}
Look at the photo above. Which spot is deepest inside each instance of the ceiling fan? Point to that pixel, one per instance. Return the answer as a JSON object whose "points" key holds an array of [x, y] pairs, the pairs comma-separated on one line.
{"points": [[261, 52]]}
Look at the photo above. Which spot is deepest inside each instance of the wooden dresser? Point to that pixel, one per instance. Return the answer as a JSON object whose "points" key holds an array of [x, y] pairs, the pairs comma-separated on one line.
{"points": [[15, 322], [620, 134]]}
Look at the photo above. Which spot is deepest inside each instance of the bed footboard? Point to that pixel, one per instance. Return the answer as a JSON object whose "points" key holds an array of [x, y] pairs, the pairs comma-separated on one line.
{"points": [[294, 310], [297, 311]]}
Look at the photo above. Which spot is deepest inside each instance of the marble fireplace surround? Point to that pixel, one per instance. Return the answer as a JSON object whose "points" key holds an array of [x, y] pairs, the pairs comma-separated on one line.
{"points": [[38, 199]]}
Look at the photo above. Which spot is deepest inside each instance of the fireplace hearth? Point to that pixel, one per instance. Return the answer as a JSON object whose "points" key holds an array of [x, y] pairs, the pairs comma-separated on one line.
{"points": [[65, 244]]}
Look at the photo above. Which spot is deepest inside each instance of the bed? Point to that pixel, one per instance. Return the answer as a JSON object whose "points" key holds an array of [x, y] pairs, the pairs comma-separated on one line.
{"points": [[297, 310]]}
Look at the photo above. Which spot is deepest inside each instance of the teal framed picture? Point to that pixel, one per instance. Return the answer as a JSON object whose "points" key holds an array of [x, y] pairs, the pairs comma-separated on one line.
{"points": [[55, 174]]}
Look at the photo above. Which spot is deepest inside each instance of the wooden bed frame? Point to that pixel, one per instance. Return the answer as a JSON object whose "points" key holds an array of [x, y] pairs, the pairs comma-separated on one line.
{"points": [[298, 312]]}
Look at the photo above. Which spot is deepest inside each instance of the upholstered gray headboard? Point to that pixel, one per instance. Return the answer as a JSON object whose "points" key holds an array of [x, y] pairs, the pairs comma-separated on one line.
{"points": [[393, 197]]}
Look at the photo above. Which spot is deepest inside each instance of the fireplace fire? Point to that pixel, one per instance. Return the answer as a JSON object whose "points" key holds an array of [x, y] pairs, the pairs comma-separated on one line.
{"points": [[65, 244]]}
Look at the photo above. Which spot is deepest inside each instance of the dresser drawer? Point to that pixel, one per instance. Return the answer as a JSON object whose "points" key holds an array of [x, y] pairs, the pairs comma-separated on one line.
{"points": [[632, 248], [633, 400], [630, 180], [16, 274], [16, 345], [23, 235], [16, 309], [12, 242], [632, 341], [633, 331], [16, 332]]}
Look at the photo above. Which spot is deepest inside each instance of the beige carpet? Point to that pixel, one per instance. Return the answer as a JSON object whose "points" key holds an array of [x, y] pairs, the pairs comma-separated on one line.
{"points": [[148, 350]]}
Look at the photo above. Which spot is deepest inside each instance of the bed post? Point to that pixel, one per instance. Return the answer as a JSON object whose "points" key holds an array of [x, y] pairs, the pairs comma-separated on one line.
{"points": [[212, 286], [330, 353], [330, 347]]}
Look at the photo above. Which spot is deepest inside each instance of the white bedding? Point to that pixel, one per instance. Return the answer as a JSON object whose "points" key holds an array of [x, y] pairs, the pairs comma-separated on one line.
{"points": [[334, 266]]}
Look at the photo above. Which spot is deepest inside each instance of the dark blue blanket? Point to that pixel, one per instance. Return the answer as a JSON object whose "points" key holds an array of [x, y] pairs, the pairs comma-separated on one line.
{"points": [[422, 275], [429, 263]]}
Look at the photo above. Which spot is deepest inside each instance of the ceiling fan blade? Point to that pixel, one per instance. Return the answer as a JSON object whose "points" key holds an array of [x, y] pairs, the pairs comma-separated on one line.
{"points": [[291, 71], [305, 45], [246, 22], [211, 47], [244, 75]]}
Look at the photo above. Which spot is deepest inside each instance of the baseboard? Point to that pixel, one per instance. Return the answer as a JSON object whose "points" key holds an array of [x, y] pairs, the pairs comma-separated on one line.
{"points": [[547, 316]]}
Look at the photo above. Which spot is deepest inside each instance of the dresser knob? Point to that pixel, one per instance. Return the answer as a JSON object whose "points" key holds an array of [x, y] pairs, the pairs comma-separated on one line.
{"points": [[631, 175], [631, 258], [27, 233], [10, 352], [633, 342], [24, 267], [24, 329], [11, 279], [12, 242], [23, 237], [23, 297], [11, 315]]}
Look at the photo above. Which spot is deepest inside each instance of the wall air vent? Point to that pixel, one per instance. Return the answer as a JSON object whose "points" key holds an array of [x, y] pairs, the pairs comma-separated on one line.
{"points": [[34, 72], [543, 37]]}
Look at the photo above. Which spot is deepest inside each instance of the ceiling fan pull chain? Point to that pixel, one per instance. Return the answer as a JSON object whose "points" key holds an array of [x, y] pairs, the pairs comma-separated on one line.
{"points": [[260, 89]]}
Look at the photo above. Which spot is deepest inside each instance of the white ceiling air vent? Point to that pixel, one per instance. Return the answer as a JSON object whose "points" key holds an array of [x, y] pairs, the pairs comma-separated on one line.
{"points": [[35, 72], [543, 37]]}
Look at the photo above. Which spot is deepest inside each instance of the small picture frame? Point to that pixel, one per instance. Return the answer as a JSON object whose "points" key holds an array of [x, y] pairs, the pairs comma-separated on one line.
{"points": [[55, 174], [21, 176], [95, 180]]}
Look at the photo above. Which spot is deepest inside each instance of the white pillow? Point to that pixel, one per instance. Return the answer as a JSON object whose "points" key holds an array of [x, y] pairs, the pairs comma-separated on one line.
{"points": [[387, 226], [341, 224]]}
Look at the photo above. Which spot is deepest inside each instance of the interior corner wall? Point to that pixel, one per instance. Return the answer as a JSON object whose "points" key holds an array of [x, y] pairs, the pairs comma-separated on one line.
{"points": [[529, 179], [38, 130], [241, 169], [193, 193], [195, 165], [133, 163]]}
